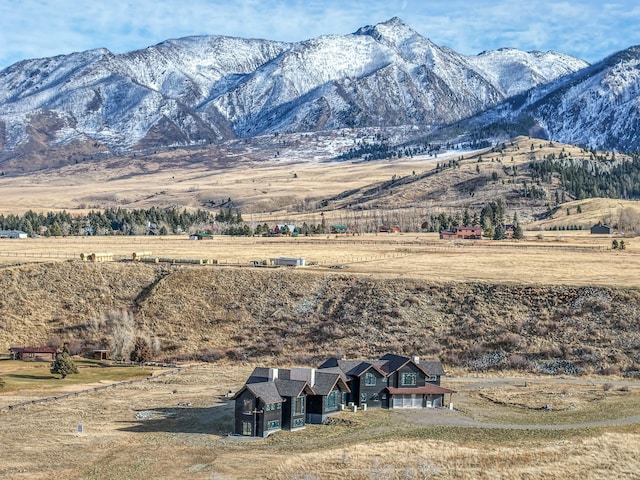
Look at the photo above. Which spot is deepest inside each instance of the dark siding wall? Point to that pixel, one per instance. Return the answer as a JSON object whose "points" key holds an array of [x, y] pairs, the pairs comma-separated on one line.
{"points": [[240, 416], [371, 394], [290, 419], [315, 404], [287, 413], [266, 417], [408, 368], [298, 419]]}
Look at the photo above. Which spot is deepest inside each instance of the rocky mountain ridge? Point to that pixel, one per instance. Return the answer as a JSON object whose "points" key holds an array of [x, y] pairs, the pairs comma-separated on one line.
{"points": [[202, 90]]}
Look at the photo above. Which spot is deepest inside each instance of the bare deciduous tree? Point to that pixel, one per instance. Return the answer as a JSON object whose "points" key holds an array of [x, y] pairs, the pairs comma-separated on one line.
{"points": [[629, 220], [121, 326]]}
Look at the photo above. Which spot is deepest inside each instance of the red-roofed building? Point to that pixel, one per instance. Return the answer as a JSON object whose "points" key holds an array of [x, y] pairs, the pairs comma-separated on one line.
{"points": [[462, 233], [32, 353]]}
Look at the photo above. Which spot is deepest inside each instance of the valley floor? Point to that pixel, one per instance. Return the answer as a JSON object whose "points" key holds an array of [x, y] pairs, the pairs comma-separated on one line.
{"points": [[551, 258], [176, 426]]}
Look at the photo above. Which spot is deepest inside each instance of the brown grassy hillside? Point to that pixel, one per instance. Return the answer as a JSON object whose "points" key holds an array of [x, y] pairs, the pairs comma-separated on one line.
{"points": [[289, 316]]}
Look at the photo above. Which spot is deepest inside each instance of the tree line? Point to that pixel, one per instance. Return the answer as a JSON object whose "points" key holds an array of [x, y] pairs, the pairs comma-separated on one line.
{"points": [[597, 177], [126, 222]]}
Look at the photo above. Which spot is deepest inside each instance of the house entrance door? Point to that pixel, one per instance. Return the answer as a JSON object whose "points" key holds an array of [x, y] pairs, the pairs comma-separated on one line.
{"points": [[247, 429]]}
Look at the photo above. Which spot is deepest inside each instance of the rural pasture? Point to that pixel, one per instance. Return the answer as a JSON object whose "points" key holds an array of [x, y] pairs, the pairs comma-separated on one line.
{"points": [[564, 258], [176, 426]]}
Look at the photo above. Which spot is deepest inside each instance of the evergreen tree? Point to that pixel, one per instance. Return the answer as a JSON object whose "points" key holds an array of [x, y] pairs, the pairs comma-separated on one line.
{"points": [[63, 365], [518, 234], [466, 218], [141, 351], [499, 232], [487, 227]]}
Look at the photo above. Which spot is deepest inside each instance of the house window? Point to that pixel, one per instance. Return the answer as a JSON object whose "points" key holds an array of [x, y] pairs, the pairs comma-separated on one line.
{"points": [[431, 378], [363, 398], [273, 424], [375, 397], [298, 405], [408, 379], [278, 406], [268, 407], [332, 401], [369, 379], [247, 406], [298, 422]]}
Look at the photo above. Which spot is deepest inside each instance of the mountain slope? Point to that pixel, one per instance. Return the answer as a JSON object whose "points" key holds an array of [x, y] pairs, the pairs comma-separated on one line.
{"points": [[200, 90], [598, 107]]}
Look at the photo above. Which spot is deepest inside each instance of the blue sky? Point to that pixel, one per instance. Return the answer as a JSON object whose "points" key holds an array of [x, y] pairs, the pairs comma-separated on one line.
{"points": [[588, 29]]}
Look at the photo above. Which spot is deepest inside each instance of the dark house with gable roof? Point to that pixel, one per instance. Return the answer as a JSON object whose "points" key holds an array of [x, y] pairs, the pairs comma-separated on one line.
{"points": [[258, 409], [275, 399], [393, 381]]}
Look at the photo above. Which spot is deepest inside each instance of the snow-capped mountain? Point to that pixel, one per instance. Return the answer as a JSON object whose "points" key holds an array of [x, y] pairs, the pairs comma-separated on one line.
{"points": [[199, 90], [598, 106]]}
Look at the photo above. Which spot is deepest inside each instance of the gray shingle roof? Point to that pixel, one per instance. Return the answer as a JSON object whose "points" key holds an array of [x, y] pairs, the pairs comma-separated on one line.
{"points": [[326, 382], [387, 364], [266, 391], [433, 367], [292, 388]]}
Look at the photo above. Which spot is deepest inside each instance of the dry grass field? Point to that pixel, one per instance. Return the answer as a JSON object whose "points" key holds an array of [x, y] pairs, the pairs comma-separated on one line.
{"points": [[550, 258], [176, 426]]}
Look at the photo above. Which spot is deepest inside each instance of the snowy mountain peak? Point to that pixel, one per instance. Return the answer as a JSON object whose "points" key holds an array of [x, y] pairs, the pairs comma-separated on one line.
{"points": [[392, 32], [205, 89]]}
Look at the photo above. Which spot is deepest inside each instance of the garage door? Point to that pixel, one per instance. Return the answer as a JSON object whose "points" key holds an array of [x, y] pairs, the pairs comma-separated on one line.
{"points": [[407, 401]]}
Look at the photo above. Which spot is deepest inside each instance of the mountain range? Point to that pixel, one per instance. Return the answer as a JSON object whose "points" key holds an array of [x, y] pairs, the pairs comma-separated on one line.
{"points": [[210, 89]]}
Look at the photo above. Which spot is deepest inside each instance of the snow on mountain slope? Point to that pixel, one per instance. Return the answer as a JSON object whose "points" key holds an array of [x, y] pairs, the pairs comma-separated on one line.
{"points": [[207, 89], [514, 71], [599, 106]]}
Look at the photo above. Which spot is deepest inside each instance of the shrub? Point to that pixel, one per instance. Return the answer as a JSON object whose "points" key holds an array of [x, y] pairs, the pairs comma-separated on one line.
{"points": [[211, 355], [517, 362]]}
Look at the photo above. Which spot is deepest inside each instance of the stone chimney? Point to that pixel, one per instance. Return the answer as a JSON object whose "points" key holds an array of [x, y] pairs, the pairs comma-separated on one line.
{"points": [[416, 359]]}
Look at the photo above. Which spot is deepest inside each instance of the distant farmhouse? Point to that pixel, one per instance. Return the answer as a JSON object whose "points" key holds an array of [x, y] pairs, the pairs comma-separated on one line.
{"points": [[601, 229], [275, 399], [201, 236], [288, 261], [462, 233], [32, 353], [388, 229], [13, 234]]}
